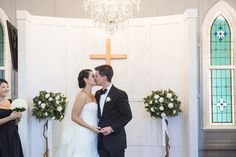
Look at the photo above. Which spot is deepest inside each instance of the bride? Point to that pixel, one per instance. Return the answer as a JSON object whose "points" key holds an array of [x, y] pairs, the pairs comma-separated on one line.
{"points": [[84, 115]]}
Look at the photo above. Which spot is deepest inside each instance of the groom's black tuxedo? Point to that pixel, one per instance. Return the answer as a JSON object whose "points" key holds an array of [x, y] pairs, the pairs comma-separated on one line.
{"points": [[116, 113]]}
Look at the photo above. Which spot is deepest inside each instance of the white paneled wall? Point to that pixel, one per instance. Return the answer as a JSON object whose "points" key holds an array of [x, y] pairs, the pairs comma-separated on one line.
{"points": [[156, 47]]}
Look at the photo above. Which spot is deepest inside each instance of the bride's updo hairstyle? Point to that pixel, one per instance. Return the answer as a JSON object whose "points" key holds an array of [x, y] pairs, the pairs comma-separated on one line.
{"points": [[83, 74]]}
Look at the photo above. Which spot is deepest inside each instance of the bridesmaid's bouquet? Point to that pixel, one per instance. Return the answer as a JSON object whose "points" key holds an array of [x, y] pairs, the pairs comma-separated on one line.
{"points": [[19, 105]]}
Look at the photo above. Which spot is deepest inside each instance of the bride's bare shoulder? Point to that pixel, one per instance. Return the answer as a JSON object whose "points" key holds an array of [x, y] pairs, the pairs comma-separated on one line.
{"points": [[81, 95]]}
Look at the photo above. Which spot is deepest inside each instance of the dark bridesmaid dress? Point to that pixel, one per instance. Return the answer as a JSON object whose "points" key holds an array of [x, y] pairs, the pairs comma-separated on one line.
{"points": [[10, 144]]}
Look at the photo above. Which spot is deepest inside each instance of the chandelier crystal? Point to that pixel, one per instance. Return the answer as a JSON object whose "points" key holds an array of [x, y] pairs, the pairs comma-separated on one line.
{"points": [[111, 14]]}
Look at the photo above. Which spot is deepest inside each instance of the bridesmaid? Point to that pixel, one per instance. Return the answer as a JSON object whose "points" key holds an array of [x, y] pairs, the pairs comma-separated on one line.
{"points": [[10, 144]]}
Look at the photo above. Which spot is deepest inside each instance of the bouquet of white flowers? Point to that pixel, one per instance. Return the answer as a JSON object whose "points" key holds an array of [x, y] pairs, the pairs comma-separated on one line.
{"points": [[162, 101], [48, 105], [19, 105]]}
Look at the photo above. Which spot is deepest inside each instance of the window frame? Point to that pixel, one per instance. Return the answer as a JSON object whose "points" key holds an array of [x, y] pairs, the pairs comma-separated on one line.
{"points": [[6, 48], [219, 67], [229, 13]]}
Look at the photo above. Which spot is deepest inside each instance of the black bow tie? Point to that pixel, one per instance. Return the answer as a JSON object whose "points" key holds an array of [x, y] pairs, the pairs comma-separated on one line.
{"points": [[103, 91]]}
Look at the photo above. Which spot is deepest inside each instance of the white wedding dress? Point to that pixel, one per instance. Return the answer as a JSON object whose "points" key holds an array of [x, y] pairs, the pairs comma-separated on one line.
{"points": [[80, 141]]}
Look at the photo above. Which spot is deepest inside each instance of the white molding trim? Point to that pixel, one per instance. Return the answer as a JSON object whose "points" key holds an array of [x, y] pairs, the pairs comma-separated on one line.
{"points": [[7, 67], [24, 49]]}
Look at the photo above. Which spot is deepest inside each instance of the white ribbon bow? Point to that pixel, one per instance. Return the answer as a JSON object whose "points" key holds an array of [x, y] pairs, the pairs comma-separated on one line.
{"points": [[165, 135]]}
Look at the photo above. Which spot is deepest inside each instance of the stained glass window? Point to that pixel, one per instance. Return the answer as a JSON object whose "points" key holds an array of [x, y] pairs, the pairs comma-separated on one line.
{"points": [[221, 72], [2, 71], [1, 45]]}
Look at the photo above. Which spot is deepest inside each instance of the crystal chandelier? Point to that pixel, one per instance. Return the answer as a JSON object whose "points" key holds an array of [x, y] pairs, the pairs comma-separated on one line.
{"points": [[111, 14]]}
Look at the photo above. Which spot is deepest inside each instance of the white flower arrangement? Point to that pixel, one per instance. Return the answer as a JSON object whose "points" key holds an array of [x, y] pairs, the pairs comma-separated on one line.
{"points": [[19, 105], [48, 105], [162, 101]]}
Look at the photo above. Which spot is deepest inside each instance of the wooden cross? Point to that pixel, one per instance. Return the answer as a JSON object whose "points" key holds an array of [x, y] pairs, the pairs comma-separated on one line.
{"points": [[108, 56]]}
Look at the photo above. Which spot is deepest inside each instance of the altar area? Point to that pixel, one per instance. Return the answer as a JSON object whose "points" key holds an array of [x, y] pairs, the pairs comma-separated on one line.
{"points": [[160, 53]]}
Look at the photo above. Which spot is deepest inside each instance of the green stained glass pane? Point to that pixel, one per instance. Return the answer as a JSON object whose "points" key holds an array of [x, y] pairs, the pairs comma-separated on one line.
{"points": [[227, 46], [218, 74], [214, 82], [228, 109], [228, 91], [229, 117], [213, 54], [222, 46], [1, 29], [227, 72], [228, 100], [213, 61], [221, 95], [226, 25], [227, 61], [218, 60], [219, 91], [1, 45], [219, 117], [223, 62], [223, 116], [213, 73], [2, 74], [214, 117], [214, 100], [214, 109], [218, 110], [224, 111], [214, 46], [213, 91], [213, 38], [223, 90], [227, 38], [220, 42], [218, 46], [223, 83]]}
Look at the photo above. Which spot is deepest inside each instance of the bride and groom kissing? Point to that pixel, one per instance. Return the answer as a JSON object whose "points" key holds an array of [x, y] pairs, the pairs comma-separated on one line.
{"points": [[101, 118]]}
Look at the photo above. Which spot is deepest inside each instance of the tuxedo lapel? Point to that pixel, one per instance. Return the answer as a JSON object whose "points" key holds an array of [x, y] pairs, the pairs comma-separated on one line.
{"points": [[98, 96]]}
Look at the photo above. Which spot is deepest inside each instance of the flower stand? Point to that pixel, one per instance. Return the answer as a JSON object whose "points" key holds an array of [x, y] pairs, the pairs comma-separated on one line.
{"points": [[47, 134]]}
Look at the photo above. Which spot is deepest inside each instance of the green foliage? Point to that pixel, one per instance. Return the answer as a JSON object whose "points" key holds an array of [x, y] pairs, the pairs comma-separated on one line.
{"points": [[19, 109], [162, 101], [48, 105]]}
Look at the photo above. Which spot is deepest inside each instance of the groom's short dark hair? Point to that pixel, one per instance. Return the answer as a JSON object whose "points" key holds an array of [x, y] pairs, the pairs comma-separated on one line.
{"points": [[105, 70]]}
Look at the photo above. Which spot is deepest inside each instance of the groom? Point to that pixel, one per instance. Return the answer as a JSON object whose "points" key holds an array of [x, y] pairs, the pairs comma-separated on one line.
{"points": [[113, 113]]}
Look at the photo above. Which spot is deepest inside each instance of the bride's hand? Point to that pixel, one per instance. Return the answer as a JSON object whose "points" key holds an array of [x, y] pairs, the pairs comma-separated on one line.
{"points": [[95, 129]]}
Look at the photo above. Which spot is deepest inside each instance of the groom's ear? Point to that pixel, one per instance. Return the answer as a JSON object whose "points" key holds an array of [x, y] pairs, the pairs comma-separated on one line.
{"points": [[105, 77]]}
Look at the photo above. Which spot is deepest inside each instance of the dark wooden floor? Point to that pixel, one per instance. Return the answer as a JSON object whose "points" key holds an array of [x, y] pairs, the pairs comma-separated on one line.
{"points": [[216, 153]]}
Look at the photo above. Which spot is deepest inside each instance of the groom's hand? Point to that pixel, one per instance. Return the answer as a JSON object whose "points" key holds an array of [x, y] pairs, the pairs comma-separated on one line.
{"points": [[106, 130]]}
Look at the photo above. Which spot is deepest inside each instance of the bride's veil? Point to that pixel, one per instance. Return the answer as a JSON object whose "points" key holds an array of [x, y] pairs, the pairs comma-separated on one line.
{"points": [[66, 145]]}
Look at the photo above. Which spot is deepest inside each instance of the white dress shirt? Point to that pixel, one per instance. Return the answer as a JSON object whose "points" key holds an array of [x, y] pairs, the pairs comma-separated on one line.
{"points": [[103, 98]]}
